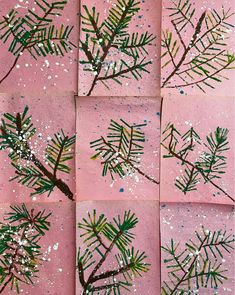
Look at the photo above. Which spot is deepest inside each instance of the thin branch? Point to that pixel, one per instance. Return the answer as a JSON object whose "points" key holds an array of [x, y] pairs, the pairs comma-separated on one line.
{"points": [[112, 273], [188, 272], [25, 46], [28, 155], [105, 287], [60, 155], [106, 51], [130, 163], [81, 274], [6, 283], [178, 33], [102, 260], [188, 48], [199, 170], [200, 81], [200, 63]]}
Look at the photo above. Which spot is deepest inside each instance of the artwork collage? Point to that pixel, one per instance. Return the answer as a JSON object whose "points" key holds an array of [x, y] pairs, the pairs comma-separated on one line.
{"points": [[117, 147]]}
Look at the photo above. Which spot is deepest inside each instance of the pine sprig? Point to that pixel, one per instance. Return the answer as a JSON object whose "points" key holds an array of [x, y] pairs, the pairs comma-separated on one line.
{"points": [[20, 250], [35, 32], [214, 162], [120, 153], [59, 151], [110, 36], [207, 45], [211, 163], [197, 265], [100, 236], [17, 132]]}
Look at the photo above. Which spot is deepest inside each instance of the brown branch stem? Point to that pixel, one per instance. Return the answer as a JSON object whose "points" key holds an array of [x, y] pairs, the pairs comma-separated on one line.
{"points": [[127, 161], [100, 263], [106, 51], [200, 171], [28, 155], [187, 49], [25, 46], [6, 283], [185, 276], [60, 184]]}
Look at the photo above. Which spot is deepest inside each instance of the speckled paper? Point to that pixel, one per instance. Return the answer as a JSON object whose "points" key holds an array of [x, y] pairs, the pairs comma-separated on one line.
{"points": [[226, 86], [56, 273], [89, 172], [180, 221], [147, 19], [205, 114], [146, 239], [48, 118], [46, 74]]}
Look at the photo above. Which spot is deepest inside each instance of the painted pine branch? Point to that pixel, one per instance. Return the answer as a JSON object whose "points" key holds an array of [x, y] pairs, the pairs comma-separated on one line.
{"points": [[17, 131], [211, 164], [121, 152], [110, 37], [198, 264], [101, 237], [20, 250], [35, 33], [208, 45]]}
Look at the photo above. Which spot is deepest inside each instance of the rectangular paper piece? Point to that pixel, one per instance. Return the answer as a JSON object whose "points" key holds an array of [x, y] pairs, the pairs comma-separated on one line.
{"points": [[197, 248], [197, 151], [37, 148], [121, 252], [118, 148], [38, 46], [38, 247], [120, 48], [197, 47]]}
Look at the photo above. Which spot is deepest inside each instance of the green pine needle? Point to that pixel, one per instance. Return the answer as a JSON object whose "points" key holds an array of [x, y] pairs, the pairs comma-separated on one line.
{"points": [[112, 36], [121, 151], [17, 132], [208, 45], [100, 237], [197, 265], [20, 246], [35, 32]]}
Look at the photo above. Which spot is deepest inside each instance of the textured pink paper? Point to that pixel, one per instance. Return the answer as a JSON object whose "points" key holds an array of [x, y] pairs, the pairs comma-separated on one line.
{"points": [[146, 239], [148, 19], [47, 74], [227, 86], [93, 119], [205, 114], [50, 114], [180, 221], [57, 273]]}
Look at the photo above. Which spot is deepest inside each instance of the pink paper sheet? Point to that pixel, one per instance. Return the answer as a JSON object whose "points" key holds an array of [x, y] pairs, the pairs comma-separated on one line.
{"points": [[58, 245], [227, 86], [147, 19], [93, 119], [46, 74], [205, 114], [180, 221], [146, 238], [48, 116]]}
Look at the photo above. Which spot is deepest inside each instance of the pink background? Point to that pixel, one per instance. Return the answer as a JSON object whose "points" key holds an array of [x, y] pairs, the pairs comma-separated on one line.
{"points": [[49, 115], [47, 74], [227, 86], [147, 238], [180, 221], [205, 114], [58, 245], [148, 19], [93, 119]]}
